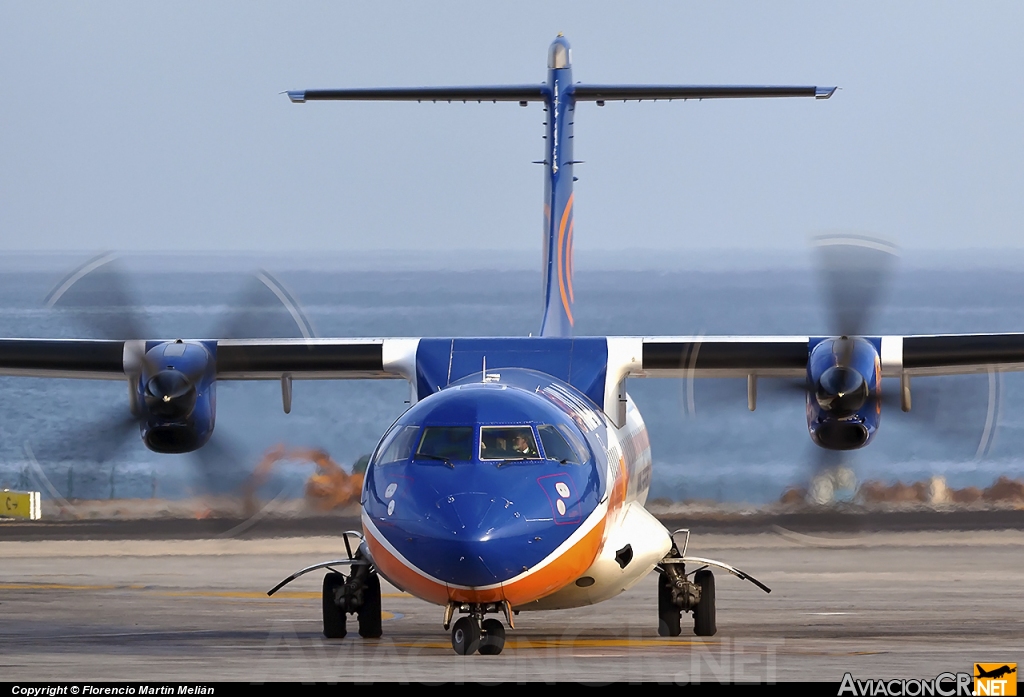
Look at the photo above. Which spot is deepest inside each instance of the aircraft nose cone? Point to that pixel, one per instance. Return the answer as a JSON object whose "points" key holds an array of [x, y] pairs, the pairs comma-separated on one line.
{"points": [[466, 552], [474, 515]]}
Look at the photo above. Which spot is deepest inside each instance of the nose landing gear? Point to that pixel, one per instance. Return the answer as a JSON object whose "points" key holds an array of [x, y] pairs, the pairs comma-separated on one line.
{"points": [[473, 633]]}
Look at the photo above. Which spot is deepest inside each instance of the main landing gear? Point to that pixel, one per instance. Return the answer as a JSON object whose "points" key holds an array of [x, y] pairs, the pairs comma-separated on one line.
{"points": [[473, 633], [357, 593], [678, 594]]}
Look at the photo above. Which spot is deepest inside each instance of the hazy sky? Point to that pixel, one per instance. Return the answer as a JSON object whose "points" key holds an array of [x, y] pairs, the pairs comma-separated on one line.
{"points": [[159, 126]]}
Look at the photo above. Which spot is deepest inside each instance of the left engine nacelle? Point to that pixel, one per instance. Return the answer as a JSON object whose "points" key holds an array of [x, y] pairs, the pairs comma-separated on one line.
{"points": [[174, 392]]}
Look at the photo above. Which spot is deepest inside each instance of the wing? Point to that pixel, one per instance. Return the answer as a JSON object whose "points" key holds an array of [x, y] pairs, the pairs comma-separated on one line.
{"points": [[786, 356], [496, 93], [600, 93], [723, 356], [244, 359], [539, 93]]}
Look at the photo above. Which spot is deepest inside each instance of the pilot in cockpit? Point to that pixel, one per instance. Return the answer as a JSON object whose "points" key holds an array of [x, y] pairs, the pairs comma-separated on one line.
{"points": [[522, 447]]}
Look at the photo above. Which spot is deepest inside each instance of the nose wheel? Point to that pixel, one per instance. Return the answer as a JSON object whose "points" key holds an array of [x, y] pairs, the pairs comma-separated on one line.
{"points": [[470, 635], [493, 640], [466, 636]]}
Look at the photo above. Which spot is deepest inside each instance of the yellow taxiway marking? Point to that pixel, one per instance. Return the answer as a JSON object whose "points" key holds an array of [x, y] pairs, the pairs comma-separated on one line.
{"points": [[65, 587], [301, 595]]}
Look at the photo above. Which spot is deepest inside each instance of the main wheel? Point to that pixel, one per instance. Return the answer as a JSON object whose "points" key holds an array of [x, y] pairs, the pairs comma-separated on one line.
{"points": [[334, 616], [369, 613], [493, 640], [704, 613], [668, 613], [466, 636]]}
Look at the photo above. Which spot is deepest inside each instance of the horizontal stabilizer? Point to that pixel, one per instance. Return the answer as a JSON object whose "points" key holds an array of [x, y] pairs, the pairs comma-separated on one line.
{"points": [[498, 93], [600, 93]]}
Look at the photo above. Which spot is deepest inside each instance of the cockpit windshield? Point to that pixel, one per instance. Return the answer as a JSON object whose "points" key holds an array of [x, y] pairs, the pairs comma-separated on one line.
{"points": [[452, 443], [508, 443]]}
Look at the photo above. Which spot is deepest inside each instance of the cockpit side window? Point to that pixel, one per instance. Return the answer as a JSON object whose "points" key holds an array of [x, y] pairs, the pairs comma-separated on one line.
{"points": [[578, 446], [507, 442], [399, 446], [447, 442], [555, 445]]}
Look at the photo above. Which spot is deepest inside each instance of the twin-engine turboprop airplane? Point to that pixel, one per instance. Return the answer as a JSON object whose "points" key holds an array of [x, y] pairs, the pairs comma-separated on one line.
{"points": [[517, 478]]}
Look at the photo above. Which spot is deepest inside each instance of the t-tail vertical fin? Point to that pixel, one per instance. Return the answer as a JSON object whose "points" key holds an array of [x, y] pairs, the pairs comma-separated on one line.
{"points": [[560, 109]]}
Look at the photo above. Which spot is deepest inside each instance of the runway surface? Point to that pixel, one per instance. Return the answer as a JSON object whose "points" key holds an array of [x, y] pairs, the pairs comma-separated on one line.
{"points": [[879, 605]]}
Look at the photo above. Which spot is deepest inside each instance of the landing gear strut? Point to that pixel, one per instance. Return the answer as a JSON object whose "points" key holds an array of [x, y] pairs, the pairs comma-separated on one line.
{"points": [[677, 594], [474, 633]]}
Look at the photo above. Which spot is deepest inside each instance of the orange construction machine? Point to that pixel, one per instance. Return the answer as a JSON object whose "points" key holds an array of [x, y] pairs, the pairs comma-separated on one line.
{"points": [[329, 486]]}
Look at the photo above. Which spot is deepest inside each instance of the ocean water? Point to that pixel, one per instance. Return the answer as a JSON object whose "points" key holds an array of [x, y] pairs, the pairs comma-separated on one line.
{"points": [[59, 435]]}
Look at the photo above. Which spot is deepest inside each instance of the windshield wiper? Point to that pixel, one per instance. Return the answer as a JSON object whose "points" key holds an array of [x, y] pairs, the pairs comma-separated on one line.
{"points": [[436, 457]]}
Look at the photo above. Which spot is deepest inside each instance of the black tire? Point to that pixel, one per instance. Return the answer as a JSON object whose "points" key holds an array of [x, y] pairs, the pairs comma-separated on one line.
{"points": [[334, 617], [668, 614], [466, 636], [493, 640], [704, 613], [370, 613]]}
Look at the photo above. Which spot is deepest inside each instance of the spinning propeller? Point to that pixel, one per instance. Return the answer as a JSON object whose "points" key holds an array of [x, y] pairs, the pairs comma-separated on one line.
{"points": [[843, 386], [853, 273], [171, 383], [955, 417]]}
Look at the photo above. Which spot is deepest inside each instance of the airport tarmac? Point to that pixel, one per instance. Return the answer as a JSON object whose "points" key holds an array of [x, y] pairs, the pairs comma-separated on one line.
{"points": [[878, 605]]}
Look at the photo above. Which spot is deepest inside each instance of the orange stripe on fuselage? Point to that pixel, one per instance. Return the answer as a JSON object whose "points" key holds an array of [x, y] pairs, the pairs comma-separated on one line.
{"points": [[568, 261], [561, 260]]}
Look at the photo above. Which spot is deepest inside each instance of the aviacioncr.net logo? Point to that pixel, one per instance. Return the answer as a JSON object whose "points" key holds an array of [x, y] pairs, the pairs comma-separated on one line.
{"points": [[943, 685], [995, 679]]}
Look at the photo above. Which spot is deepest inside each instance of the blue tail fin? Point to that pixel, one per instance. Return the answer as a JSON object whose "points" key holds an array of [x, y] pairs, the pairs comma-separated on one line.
{"points": [[558, 196]]}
